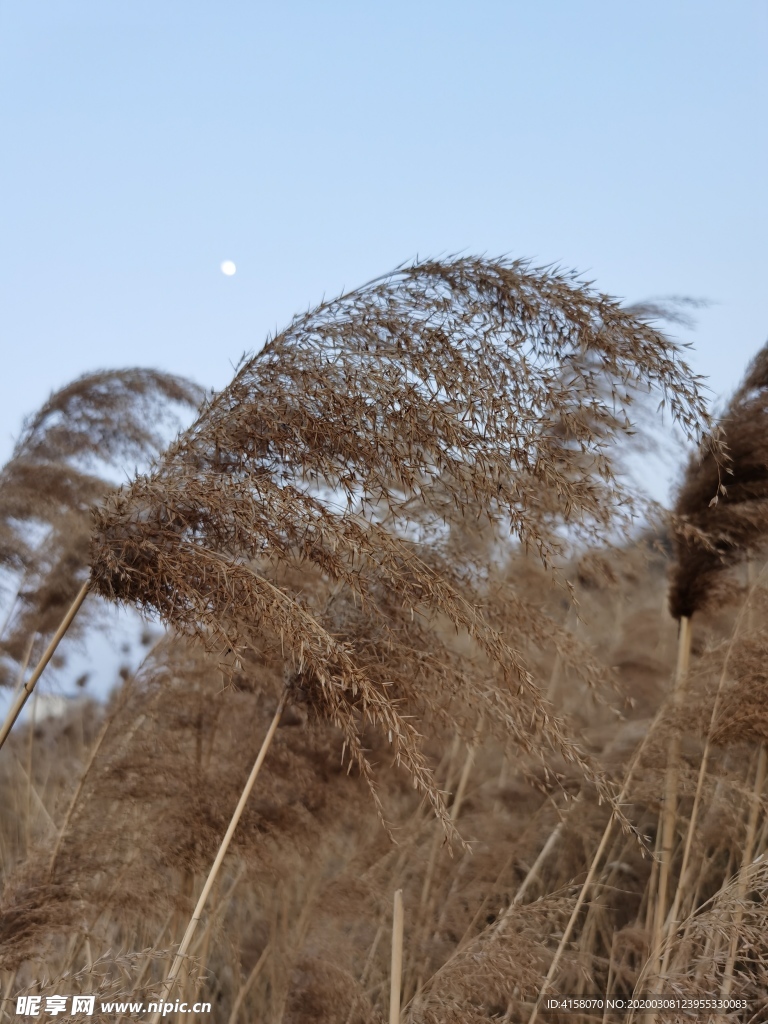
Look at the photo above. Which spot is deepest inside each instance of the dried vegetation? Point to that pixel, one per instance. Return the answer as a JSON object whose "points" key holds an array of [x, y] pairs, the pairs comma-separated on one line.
{"points": [[399, 512]]}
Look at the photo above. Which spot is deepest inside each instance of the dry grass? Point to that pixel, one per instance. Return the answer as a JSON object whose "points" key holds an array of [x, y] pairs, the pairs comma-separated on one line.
{"points": [[349, 520], [306, 892]]}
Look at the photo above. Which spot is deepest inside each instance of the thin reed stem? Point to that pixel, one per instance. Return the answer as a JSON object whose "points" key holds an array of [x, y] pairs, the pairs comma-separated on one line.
{"points": [[396, 973], [86, 772], [682, 885], [366, 968], [30, 684], [11, 610], [535, 868], [590, 874], [669, 811], [746, 860], [24, 665], [198, 911], [247, 985], [466, 770], [572, 921]]}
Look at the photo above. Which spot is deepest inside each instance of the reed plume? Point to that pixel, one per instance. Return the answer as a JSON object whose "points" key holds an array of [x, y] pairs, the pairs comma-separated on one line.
{"points": [[59, 470], [721, 512], [108, 416], [357, 443]]}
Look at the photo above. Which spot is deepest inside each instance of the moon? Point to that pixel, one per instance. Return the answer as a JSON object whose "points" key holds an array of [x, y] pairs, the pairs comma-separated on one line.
{"points": [[228, 268]]}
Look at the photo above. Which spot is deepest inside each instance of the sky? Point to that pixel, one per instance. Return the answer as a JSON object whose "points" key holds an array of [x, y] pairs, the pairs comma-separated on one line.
{"points": [[318, 145]]}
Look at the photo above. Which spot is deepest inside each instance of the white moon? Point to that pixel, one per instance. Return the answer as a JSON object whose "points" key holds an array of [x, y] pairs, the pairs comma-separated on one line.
{"points": [[228, 268]]}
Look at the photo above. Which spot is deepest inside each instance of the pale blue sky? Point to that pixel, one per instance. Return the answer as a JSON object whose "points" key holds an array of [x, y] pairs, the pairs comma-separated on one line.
{"points": [[319, 144]]}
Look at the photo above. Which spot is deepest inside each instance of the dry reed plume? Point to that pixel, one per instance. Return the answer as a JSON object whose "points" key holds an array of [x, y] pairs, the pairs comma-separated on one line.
{"points": [[721, 512], [359, 441], [58, 471]]}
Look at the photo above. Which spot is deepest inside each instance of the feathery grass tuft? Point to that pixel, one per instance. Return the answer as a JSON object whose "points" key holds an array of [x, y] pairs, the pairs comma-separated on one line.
{"points": [[359, 443]]}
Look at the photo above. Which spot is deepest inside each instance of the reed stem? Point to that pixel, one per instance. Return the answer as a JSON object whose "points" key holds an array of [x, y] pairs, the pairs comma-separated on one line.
{"points": [[669, 810], [746, 860], [198, 911], [396, 974], [30, 684]]}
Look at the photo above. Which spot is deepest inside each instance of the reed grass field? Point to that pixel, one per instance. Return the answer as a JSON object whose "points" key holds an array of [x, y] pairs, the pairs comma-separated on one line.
{"points": [[438, 719]]}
